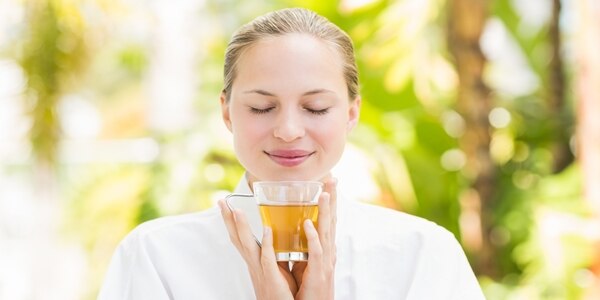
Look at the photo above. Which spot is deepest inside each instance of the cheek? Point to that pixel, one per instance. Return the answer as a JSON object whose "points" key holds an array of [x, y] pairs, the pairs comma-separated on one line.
{"points": [[331, 136], [248, 132]]}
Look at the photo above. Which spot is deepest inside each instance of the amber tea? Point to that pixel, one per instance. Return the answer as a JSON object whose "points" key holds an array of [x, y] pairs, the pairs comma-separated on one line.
{"points": [[286, 221], [284, 205]]}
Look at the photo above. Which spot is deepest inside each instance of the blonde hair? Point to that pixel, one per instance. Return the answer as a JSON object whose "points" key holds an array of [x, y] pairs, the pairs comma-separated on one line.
{"points": [[285, 21]]}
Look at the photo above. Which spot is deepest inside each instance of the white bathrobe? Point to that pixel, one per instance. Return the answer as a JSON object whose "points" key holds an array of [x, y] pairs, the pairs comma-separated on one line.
{"points": [[381, 254]]}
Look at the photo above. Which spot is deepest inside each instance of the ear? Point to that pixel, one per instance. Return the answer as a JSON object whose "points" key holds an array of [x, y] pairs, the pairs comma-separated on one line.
{"points": [[353, 113], [225, 110]]}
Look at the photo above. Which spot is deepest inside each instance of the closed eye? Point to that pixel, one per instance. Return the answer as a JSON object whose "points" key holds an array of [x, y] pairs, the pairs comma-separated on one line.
{"points": [[259, 111], [317, 111]]}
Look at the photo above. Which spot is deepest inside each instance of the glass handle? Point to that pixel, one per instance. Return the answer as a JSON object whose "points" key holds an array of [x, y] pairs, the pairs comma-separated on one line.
{"points": [[231, 207]]}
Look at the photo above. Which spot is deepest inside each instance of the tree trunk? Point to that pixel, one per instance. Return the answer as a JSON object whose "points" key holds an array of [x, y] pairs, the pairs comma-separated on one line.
{"points": [[562, 156], [588, 108], [466, 22]]}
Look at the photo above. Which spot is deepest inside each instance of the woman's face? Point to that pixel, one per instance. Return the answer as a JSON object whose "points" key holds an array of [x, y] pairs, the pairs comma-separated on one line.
{"points": [[289, 110]]}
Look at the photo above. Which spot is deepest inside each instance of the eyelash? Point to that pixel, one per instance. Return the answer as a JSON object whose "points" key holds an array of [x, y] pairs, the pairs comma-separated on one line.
{"points": [[260, 111], [318, 112]]}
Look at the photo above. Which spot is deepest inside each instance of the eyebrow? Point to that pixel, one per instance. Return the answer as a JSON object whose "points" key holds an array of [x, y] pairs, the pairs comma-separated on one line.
{"points": [[308, 93]]}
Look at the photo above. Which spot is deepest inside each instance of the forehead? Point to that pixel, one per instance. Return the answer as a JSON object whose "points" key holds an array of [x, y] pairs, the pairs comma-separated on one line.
{"points": [[291, 59]]}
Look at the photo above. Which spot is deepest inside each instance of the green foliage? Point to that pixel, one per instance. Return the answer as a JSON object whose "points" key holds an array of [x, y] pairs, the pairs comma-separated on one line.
{"points": [[407, 85], [402, 102], [134, 60], [52, 51]]}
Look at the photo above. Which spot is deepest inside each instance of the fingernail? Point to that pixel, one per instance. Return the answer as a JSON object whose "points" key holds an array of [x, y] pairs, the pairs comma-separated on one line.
{"points": [[308, 222]]}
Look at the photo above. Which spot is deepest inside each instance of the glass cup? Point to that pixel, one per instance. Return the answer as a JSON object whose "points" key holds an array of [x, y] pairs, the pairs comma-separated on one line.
{"points": [[284, 205]]}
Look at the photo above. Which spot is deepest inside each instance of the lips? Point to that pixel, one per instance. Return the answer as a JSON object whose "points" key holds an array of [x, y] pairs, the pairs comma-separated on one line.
{"points": [[289, 158]]}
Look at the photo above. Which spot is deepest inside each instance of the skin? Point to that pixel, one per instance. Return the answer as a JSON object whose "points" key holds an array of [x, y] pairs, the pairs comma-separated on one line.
{"points": [[289, 114], [289, 95]]}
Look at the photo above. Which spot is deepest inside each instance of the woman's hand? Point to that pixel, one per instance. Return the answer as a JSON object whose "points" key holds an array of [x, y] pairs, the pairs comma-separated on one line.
{"points": [[274, 280], [315, 277], [271, 280]]}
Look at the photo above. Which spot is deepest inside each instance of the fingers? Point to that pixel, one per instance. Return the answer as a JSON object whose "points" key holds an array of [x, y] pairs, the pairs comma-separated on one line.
{"points": [[315, 251], [268, 280], [324, 219], [326, 225], [273, 270], [245, 235], [315, 277], [230, 224], [331, 188], [267, 259], [239, 232], [328, 220]]}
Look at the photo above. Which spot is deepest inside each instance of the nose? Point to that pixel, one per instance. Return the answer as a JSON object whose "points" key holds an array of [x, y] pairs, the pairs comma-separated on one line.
{"points": [[289, 127]]}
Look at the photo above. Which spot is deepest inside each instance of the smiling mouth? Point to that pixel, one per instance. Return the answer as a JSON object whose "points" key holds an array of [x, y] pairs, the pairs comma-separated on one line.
{"points": [[289, 158]]}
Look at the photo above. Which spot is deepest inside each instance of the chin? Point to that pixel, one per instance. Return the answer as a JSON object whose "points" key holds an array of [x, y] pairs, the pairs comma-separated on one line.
{"points": [[292, 176]]}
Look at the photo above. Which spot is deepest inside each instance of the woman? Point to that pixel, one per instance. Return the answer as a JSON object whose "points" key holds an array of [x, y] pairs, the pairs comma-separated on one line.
{"points": [[290, 98]]}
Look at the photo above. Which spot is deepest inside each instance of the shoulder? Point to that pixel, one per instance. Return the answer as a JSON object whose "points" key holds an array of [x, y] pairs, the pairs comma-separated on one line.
{"points": [[196, 225], [430, 254], [155, 254], [380, 224], [382, 216]]}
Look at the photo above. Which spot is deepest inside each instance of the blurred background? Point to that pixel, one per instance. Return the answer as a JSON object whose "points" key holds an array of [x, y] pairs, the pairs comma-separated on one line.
{"points": [[482, 116]]}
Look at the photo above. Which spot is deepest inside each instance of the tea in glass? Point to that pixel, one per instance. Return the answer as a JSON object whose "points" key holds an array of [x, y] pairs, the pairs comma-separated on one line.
{"points": [[284, 205]]}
